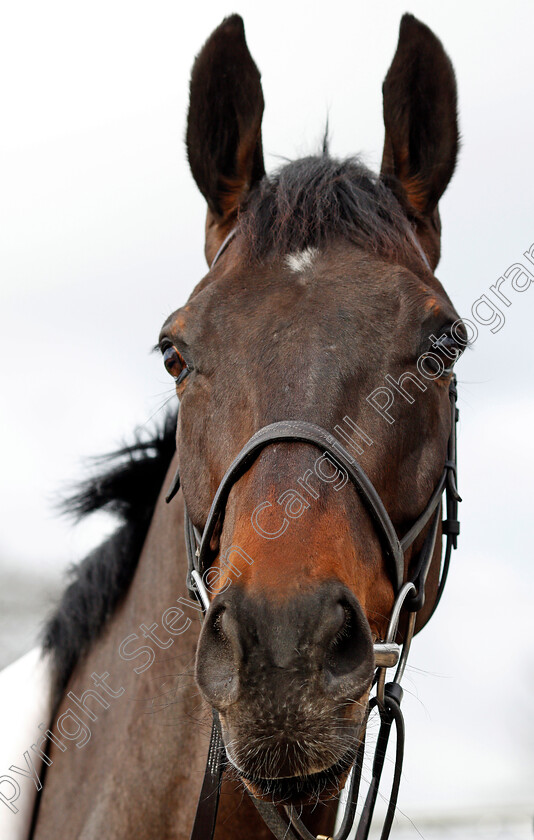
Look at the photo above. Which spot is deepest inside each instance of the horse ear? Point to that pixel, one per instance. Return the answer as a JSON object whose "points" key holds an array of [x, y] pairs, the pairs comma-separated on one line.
{"points": [[224, 124], [421, 141]]}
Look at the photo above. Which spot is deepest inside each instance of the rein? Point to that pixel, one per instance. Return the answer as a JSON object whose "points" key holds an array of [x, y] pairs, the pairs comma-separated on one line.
{"points": [[409, 599]]}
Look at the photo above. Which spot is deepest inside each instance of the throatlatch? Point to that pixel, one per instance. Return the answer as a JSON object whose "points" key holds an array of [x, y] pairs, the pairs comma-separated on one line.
{"points": [[409, 600]]}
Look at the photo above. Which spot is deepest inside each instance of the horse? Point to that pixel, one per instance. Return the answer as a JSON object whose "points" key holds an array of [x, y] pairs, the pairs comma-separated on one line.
{"points": [[281, 536]]}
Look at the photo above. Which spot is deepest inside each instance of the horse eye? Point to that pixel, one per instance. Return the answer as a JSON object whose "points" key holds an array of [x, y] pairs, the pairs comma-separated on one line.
{"points": [[450, 343], [175, 364], [449, 349]]}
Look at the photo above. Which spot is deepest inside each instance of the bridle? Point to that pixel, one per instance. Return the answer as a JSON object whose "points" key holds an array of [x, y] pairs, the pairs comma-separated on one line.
{"points": [[409, 600]]}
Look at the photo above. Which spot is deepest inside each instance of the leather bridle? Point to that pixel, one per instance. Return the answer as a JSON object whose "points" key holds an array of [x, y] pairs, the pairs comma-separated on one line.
{"points": [[410, 595]]}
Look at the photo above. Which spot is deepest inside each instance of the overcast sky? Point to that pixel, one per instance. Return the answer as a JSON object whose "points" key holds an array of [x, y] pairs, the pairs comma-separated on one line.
{"points": [[101, 238]]}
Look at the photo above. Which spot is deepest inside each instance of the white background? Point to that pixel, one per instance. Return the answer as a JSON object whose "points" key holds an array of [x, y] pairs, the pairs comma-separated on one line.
{"points": [[101, 235]]}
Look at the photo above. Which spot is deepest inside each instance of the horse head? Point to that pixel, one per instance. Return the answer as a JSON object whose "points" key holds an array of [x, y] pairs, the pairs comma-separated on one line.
{"points": [[320, 308]]}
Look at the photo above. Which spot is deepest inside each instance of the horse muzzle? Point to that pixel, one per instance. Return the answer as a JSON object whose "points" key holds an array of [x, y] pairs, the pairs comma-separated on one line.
{"points": [[290, 680]]}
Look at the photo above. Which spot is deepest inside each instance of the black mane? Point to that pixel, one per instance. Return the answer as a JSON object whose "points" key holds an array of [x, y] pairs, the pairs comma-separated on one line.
{"points": [[128, 488], [314, 200]]}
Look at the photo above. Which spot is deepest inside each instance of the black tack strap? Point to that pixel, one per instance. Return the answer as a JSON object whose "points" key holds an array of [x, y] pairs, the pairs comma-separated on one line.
{"points": [[174, 487], [390, 714], [273, 820], [208, 801], [300, 431], [416, 600], [450, 526], [224, 246]]}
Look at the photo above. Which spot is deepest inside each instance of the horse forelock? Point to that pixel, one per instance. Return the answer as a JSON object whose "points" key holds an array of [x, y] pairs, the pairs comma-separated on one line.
{"points": [[312, 201]]}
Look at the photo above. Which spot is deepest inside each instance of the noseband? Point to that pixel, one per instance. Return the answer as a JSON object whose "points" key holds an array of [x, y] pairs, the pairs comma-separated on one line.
{"points": [[410, 596]]}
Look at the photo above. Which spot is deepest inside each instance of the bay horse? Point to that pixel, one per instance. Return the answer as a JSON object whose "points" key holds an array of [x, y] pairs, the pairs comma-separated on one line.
{"points": [[313, 365]]}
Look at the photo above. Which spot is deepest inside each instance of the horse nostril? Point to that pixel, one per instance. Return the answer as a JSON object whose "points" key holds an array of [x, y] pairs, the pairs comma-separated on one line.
{"points": [[340, 651], [349, 654], [216, 668]]}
